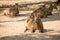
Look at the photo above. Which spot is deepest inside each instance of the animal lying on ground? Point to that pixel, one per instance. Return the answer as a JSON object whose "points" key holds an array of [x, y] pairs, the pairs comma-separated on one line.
{"points": [[11, 11], [50, 9]]}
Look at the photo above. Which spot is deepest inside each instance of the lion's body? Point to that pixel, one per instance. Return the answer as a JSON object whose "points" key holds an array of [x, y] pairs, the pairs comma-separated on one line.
{"points": [[50, 9], [11, 11], [34, 23]]}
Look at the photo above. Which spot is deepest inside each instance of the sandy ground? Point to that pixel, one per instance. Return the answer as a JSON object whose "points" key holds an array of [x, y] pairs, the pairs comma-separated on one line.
{"points": [[13, 28]]}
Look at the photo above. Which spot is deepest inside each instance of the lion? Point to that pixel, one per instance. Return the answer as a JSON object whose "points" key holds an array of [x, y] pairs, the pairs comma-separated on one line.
{"points": [[34, 22], [11, 11], [6, 12], [50, 9]]}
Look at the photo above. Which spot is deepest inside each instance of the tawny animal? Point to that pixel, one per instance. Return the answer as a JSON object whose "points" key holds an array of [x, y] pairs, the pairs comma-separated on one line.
{"points": [[42, 11], [34, 22], [11, 11], [46, 11], [6, 12], [50, 9]]}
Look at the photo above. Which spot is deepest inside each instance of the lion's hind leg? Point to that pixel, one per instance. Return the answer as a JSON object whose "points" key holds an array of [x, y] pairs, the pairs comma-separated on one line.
{"points": [[26, 29]]}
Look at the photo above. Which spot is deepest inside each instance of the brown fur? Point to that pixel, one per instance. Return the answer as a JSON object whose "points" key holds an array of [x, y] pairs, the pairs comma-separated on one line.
{"points": [[6, 12], [46, 11], [50, 9], [34, 23], [11, 11], [42, 11]]}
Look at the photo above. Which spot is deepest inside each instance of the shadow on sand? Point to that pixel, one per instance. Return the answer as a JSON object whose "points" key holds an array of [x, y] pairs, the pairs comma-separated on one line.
{"points": [[53, 17], [23, 15], [13, 20], [32, 37]]}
